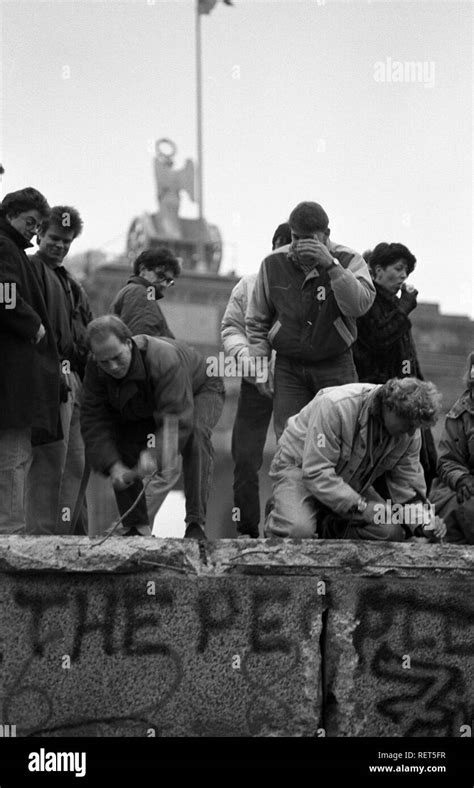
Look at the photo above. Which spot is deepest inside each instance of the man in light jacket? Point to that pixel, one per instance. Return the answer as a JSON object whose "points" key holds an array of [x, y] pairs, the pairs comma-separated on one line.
{"points": [[336, 446], [255, 405]]}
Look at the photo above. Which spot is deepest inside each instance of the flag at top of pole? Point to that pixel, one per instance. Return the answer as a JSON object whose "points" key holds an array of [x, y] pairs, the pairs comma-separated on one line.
{"points": [[206, 6]]}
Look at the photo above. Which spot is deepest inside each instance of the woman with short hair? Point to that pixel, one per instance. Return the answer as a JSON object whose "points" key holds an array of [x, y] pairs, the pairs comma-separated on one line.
{"points": [[384, 347]]}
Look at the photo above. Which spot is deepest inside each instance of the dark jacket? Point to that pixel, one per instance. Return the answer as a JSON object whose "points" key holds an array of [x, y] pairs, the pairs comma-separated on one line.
{"points": [[69, 311], [307, 317], [29, 379], [384, 347], [137, 305], [163, 377]]}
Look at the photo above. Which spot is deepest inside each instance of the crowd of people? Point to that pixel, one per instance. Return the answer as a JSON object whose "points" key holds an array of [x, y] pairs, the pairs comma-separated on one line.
{"points": [[120, 395]]}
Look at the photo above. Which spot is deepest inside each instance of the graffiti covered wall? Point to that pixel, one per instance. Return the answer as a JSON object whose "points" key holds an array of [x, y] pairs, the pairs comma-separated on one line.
{"points": [[148, 637]]}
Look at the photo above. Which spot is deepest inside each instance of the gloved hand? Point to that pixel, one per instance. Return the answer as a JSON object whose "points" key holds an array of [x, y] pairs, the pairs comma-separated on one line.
{"points": [[464, 488], [407, 301]]}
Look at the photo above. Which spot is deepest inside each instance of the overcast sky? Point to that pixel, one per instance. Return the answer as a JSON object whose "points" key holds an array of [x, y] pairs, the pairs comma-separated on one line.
{"points": [[303, 100]]}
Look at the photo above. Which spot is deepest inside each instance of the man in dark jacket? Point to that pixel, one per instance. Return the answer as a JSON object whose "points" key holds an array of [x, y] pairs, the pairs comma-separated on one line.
{"points": [[305, 302], [57, 468], [146, 401], [137, 303], [29, 380]]}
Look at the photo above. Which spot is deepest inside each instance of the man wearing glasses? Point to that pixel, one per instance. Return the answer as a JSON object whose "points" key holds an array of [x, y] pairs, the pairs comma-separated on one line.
{"points": [[137, 303], [29, 383]]}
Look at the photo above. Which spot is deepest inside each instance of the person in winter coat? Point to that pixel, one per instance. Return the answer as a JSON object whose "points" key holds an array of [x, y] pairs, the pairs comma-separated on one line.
{"points": [[384, 347], [57, 469], [334, 449], [254, 408], [147, 400], [452, 493], [305, 301], [137, 303], [30, 377]]}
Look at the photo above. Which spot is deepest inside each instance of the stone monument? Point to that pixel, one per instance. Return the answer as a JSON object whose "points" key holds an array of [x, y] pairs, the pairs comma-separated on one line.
{"points": [[197, 243]]}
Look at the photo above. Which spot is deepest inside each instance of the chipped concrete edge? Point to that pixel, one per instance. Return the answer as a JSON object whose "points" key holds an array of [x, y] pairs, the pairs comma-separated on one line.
{"points": [[27, 554]]}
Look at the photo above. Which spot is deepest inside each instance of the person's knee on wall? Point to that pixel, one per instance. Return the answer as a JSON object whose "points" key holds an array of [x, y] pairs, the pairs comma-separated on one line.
{"points": [[393, 533], [389, 532], [304, 529]]}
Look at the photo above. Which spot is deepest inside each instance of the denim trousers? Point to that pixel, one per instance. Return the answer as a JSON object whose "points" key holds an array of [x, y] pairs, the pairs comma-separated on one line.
{"points": [[297, 382], [15, 458], [254, 411], [197, 464], [55, 474]]}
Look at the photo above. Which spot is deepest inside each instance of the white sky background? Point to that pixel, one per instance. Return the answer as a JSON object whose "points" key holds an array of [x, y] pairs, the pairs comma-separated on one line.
{"points": [[292, 111]]}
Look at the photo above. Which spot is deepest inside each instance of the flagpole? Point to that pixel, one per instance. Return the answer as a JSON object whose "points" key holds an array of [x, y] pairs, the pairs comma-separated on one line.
{"points": [[199, 112]]}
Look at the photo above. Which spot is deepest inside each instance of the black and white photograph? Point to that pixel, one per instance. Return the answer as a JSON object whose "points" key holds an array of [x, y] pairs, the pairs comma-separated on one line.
{"points": [[236, 389]]}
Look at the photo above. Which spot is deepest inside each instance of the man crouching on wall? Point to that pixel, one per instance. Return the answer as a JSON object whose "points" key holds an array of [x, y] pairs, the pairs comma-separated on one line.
{"points": [[133, 388], [332, 451]]}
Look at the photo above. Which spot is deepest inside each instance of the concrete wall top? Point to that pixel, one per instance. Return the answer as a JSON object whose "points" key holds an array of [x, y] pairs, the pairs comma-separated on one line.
{"points": [[53, 554]]}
